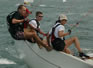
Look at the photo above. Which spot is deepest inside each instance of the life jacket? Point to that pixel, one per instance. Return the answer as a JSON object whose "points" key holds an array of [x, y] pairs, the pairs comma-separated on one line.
{"points": [[9, 18], [13, 28], [26, 23], [38, 25], [53, 30]]}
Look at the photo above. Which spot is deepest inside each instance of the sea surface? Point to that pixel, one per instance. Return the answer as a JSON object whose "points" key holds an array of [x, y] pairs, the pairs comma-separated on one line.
{"points": [[77, 11]]}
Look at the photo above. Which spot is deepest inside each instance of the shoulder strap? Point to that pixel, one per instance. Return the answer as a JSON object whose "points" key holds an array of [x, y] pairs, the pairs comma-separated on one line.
{"points": [[53, 29], [38, 24], [52, 34]]}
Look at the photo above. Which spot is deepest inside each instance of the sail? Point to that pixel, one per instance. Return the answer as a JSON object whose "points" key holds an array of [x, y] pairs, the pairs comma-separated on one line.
{"points": [[64, 0], [28, 1]]}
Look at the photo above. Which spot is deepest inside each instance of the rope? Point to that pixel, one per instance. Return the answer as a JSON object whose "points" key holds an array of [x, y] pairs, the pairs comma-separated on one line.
{"points": [[43, 57], [89, 11]]}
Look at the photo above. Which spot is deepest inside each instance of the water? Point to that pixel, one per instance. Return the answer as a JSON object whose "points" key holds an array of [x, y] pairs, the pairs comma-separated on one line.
{"points": [[76, 10]]}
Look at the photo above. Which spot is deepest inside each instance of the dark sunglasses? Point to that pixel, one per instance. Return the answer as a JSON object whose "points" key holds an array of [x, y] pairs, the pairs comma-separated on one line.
{"points": [[40, 16]]}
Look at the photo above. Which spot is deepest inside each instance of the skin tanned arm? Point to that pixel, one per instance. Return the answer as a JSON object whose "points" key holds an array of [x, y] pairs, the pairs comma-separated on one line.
{"points": [[41, 32], [48, 36], [62, 34], [14, 21]]}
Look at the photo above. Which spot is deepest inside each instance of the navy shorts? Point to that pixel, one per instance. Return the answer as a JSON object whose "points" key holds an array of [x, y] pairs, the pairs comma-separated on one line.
{"points": [[58, 44]]}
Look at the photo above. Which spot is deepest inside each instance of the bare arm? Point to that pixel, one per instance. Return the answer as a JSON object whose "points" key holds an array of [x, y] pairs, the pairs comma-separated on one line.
{"points": [[32, 27], [14, 21], [48, 37], [38, 29], [62, 34], [41, 32]]}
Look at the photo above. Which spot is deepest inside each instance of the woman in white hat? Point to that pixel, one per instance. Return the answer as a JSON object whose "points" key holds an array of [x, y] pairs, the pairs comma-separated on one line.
{"points": [[57, 34]]}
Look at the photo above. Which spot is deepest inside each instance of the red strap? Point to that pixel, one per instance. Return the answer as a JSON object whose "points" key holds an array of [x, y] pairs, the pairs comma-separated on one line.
{"points": [[52, 38], [53, 30], [25, 24]]}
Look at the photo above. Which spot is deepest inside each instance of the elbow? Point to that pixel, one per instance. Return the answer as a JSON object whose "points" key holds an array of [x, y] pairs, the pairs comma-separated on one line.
{"points": [[61, 35], [13, 21]]}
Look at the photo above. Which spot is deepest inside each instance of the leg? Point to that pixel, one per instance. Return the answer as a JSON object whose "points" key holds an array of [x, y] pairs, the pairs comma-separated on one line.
{"points": [[77, 45], [73, 40], [45, 41], [67, 50], [32, 34]]}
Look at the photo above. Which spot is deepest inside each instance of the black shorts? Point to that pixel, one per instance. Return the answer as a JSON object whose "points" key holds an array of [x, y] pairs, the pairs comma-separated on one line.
{"points": [[58, 44], [18, 36]]}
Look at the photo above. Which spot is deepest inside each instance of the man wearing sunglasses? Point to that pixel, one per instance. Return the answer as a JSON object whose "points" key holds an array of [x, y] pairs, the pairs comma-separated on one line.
{"points": [[35, 24]]}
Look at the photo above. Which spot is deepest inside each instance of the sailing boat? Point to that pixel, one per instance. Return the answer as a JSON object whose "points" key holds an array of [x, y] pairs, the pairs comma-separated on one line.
{"points": [[35, 57]]}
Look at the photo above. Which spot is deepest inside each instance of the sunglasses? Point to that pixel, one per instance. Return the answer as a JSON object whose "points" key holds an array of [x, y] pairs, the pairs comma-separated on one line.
{"points": [[40, 16]]}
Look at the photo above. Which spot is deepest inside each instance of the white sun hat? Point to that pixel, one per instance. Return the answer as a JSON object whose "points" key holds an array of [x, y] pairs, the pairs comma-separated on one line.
{"points": [[62, 17]]}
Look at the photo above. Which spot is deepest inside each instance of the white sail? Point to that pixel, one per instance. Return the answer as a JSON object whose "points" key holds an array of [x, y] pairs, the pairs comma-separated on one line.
{"points": [[64, 0], [31, 1], [28, 1]]}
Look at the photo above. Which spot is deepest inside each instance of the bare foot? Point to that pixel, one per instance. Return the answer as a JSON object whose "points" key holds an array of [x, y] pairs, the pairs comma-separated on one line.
{"points": [[40, 46], [48, 48]]}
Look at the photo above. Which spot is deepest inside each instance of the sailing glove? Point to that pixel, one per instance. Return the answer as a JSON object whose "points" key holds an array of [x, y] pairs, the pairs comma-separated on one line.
{"points": [[69, 31]]}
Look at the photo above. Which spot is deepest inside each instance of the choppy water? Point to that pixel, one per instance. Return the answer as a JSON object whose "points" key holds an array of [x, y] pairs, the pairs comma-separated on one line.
{"points": [[76, 10]]}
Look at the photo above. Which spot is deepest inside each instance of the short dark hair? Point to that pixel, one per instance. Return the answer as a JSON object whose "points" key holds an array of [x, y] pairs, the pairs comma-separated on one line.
{"points": [[38, 12], [20, 7]]}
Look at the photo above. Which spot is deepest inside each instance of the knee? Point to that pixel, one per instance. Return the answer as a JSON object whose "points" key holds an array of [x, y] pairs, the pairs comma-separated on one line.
{"points": [[75, 38], [65, 50], [34, 34]]}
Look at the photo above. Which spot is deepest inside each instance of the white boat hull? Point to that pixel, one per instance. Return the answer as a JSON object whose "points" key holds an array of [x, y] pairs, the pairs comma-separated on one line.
{"points": [[40, 58]]}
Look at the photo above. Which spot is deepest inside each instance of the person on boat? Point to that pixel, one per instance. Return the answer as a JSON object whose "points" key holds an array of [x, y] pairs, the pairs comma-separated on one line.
{"points": [[15, 21], [35, 25], [58, 41]]}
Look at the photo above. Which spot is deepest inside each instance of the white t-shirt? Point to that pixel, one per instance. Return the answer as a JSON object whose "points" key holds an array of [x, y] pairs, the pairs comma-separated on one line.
{"points": [[57, 29], [33, 23]]}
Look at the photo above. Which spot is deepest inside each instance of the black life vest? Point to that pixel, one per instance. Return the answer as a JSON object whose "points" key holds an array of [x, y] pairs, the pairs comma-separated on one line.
{"points": [[13, 28], [9, 18], [17, 26]]}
